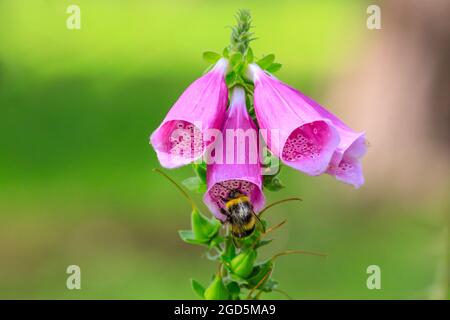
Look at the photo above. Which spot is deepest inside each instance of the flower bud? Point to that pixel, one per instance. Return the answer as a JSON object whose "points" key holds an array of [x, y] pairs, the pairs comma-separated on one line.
{"points": [[216, 290], [203, 227], [242, 264]]}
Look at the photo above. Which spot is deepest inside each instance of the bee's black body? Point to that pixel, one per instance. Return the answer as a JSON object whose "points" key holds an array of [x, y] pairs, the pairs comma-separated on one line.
{"points": [[240, 214]]}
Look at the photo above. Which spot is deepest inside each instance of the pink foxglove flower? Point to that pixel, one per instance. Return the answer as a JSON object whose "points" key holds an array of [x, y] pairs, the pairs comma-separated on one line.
{"points": [[296, 133], [239, 169], [345, 165], [179, 139]]}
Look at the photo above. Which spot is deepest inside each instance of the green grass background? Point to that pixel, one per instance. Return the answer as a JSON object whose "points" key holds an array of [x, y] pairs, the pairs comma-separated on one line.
{"points": [[76, 185]]}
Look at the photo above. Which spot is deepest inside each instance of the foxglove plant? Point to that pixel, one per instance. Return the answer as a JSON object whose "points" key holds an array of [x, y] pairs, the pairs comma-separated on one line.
{"points": [[200, 130]]}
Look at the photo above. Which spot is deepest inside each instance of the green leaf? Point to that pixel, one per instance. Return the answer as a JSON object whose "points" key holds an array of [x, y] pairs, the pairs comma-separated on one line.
{"points": [[226, 52], [274, 67], [249, 56], [267, 61], [211, 57], [203, 227], [198, 288], [189, 237], [273, 183], [262, 243], [195, 184]]}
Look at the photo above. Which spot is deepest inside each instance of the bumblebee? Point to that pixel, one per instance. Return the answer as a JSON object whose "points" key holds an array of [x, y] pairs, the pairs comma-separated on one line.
{"points": [[240, 214], [238, 210]]}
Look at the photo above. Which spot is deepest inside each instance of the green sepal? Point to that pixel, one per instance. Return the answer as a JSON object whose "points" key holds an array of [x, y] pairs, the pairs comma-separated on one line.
{"points": [[274, 67], [198, 288], [239, 69], [216, 290], [235, 60], [230, 251], [211, 57], [262, 243], [189, 237], [242, 264], [273, 183], [234, 290], [203, 227], [259, 272], [226, 52], [266, 61], [231, 79], [248, 242], [204, 230], [200, 171], [216, 241], [249, 55]]}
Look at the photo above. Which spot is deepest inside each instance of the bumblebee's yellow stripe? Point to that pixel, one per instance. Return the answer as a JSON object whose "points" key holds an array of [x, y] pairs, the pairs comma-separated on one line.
{"points": [[236, 201]]}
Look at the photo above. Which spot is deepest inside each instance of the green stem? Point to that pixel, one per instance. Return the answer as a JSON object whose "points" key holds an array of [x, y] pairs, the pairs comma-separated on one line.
{"points": [[271, 229], [288, 252], [278, 202], [184, 193], [259, 284]]}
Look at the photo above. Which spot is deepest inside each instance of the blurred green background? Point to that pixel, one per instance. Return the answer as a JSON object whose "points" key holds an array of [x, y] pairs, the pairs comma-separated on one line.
{"points": [[76, 186]]}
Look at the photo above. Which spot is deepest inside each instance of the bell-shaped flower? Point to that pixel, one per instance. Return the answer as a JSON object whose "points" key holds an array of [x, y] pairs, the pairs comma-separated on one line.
{"points": [[179, 139], [236, 166], [311, 139], [296, 133], [345, 164]]}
